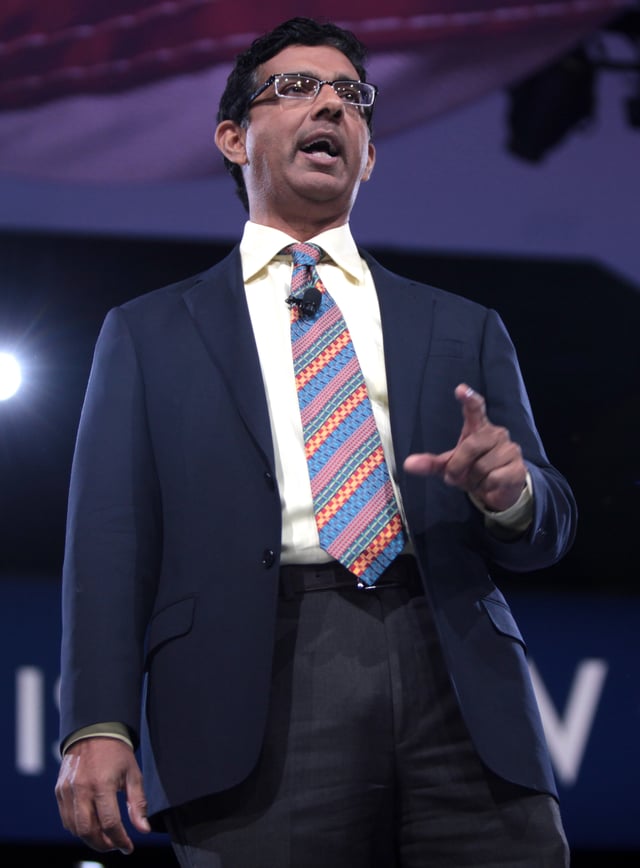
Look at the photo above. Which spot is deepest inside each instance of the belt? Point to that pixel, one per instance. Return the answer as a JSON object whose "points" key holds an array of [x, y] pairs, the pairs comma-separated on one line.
{"points": [[298, 579]]}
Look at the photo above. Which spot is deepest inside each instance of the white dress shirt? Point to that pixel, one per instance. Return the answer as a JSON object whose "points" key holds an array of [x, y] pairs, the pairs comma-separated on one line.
{"points": [[267, 280]]}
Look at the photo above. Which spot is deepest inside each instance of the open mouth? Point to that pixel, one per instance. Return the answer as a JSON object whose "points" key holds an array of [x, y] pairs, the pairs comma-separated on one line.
{"points": [[321, 146]]}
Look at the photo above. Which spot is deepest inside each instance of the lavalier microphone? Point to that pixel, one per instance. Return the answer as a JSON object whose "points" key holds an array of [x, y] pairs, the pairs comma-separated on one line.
{"points": [[308, 304]]}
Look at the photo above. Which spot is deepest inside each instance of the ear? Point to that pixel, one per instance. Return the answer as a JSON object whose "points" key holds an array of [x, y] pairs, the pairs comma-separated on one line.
{"points": [[371, 161], [230, 139]]}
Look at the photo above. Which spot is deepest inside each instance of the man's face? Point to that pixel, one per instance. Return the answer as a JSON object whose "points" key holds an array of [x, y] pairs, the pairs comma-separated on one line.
{"points": [[304, 159]]}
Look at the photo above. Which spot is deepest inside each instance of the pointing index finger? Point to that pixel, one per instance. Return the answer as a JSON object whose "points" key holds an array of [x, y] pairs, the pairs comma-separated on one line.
{"points": [[474, 409]]}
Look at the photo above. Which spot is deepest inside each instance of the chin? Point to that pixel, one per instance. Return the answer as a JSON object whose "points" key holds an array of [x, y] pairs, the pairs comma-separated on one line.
{"points": [[324, 188]]}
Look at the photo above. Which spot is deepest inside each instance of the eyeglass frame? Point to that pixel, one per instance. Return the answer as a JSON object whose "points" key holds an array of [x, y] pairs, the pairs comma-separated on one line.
{"points": [[319, 85]]}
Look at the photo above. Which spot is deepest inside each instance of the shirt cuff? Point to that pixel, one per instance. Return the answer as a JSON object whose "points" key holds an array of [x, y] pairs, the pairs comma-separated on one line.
{"points": [[112, 729], [516, 519]]}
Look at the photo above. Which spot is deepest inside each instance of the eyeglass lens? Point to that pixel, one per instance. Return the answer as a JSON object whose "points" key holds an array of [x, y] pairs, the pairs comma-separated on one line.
{"points": [[306, 87]]}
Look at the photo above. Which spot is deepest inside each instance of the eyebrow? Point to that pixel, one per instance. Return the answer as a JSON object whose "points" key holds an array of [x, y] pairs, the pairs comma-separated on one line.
{"points": [[338, 77]]}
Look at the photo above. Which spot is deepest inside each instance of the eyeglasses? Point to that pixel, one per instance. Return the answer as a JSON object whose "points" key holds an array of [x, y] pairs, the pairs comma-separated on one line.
{"points": [[297, 85]]}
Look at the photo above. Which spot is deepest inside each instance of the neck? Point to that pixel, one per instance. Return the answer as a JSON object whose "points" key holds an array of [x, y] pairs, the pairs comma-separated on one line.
{"points": [[300, 226]]}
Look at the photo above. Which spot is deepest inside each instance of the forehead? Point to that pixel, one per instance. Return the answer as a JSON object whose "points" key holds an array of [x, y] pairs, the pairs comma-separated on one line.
{"points": [[323, 61]]}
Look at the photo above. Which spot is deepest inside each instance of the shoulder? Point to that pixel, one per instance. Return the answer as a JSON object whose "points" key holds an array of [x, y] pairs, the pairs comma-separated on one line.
{"points": [[163, 315]]}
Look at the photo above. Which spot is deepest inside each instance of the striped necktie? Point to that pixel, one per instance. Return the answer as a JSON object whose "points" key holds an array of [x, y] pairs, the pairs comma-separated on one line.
{"points": [[356, 512]]}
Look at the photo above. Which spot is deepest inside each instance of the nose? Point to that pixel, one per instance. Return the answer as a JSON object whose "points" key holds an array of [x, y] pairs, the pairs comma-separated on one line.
{"points": [[327, 101]]}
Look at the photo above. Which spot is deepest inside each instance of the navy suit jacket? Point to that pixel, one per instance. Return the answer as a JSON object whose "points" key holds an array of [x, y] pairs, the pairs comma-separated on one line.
{"points": [[174, 528]]}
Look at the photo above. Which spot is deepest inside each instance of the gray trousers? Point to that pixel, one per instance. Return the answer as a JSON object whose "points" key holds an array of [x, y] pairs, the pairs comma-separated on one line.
{"points": [[366, 761]]}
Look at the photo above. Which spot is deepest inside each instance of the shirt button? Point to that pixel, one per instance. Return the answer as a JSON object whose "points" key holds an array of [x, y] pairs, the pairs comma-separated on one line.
{"points": [[269, 480], [268, 558]]}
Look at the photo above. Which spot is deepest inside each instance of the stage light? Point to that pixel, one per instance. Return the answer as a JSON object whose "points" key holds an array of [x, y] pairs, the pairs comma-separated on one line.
{"points": [[544, 108], [10, 376], [552, 102]]}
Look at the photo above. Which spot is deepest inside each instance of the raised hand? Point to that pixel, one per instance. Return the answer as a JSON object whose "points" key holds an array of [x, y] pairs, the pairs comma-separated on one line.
{"points": [[485, 462]]}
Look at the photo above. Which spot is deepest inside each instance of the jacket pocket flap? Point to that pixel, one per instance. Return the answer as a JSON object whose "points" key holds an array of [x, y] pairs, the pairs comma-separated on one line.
{"points": [[502, 619], [448, 347], [169, 623]]}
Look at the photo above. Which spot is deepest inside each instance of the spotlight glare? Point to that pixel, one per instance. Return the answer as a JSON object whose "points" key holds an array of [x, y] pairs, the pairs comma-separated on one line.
{"points": [[10, 376]]}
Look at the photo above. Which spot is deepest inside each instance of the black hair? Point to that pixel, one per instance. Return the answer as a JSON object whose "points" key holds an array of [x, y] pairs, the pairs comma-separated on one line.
{"points": [[234, 102]]}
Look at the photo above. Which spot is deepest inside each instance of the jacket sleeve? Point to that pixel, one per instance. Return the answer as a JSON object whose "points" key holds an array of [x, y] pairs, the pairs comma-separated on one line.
{"points": [[113, 542], [554, 510]]}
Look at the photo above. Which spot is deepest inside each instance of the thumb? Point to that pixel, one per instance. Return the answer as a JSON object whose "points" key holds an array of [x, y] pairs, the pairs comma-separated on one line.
{"points": [[427, 464], [137, 803]]}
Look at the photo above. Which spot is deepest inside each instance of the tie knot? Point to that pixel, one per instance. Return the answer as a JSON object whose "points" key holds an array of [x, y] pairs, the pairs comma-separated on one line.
{"points": [[304, 254]]}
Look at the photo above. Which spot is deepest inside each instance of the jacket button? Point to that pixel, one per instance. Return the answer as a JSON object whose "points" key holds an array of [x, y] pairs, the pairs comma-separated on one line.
{"points": [[269, 480], [268, 558]]}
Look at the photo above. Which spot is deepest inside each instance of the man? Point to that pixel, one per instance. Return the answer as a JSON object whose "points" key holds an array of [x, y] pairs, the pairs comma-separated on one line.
{"points": [[296, 711]]}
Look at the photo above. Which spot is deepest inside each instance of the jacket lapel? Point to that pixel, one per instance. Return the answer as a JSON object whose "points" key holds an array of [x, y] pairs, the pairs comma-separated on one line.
{"points": [[218, 307], [407, 314]]}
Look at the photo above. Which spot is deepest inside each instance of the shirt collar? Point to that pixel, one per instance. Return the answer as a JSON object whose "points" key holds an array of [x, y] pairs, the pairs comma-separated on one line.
{"points": [[260, 244]]}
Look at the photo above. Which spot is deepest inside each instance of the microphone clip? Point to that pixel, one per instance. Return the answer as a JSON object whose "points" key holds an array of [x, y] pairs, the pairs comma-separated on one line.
{"points": [[308, 304]]}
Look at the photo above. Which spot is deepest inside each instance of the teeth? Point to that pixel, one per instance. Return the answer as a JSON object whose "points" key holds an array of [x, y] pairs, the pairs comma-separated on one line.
{"points": [[321, 146]]}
